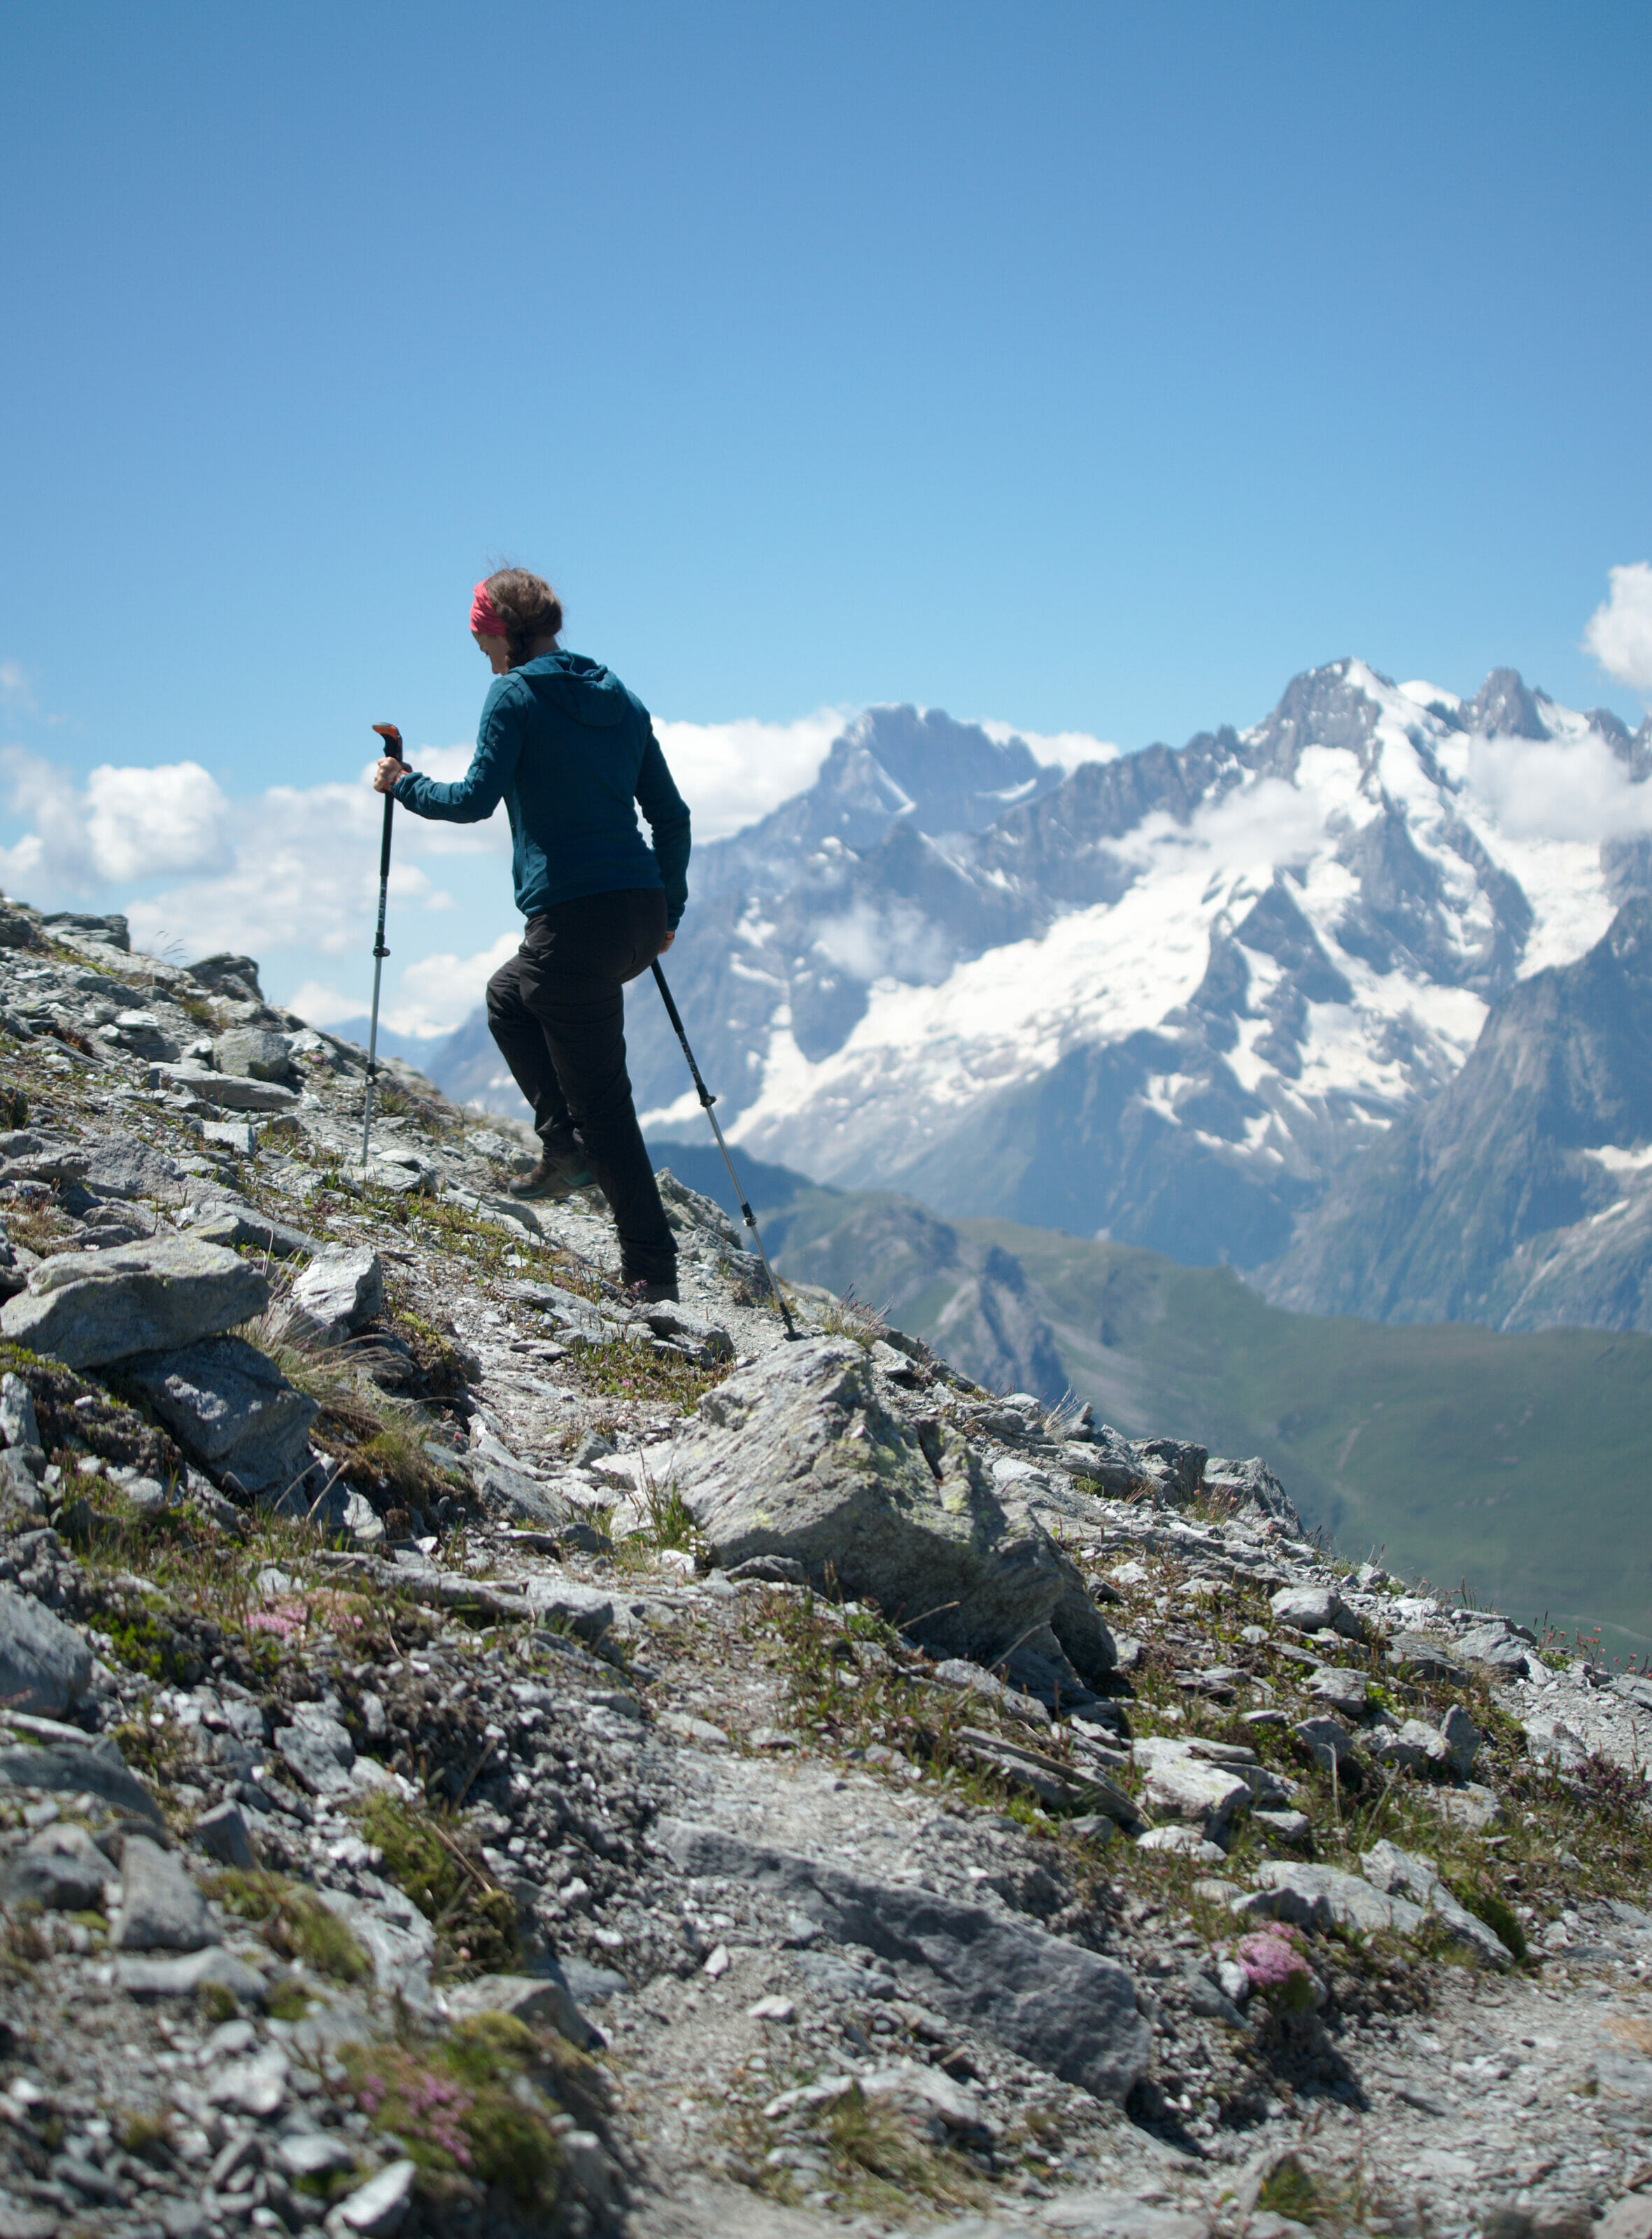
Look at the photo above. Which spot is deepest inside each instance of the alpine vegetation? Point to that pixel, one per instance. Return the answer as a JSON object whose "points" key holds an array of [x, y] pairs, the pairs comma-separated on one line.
{"points": [[481, 1753]]}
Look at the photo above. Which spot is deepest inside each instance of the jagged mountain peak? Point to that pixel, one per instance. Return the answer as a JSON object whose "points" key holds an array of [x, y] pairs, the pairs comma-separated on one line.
{"points": [[1167, 996]]}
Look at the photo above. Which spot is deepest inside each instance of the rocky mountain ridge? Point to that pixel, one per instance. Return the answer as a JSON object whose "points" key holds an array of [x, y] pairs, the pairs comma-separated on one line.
{"points": [[483, 1756], [1521, 1195]]}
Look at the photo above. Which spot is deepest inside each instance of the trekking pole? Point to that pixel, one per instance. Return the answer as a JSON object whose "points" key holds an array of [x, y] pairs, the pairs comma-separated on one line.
{"points": [[392, 738], [706, 1101]]}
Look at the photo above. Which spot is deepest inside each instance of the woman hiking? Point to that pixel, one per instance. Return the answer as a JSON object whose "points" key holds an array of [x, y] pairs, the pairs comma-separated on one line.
{"points": [[571, 753]]}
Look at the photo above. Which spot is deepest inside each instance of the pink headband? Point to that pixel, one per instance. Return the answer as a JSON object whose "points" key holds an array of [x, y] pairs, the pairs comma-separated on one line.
{"points": [[485, 618]]}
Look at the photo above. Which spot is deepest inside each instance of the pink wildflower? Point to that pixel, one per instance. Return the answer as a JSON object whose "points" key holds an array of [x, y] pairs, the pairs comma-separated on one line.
{"points": [[1271, 1957]]}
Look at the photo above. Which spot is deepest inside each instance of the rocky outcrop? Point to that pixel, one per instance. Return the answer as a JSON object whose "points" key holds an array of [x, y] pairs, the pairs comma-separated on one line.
{"points": [[802, 1458]]}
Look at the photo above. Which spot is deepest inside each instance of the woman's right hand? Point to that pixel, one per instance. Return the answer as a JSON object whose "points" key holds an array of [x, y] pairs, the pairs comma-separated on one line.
{"points": [[386, 773]]}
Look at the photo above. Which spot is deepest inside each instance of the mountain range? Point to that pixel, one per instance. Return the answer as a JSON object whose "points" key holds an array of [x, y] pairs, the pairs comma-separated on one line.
{"points": [[1219, 1001]]}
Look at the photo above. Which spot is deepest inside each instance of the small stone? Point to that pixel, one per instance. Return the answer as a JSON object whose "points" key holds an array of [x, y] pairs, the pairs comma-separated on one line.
{"points": [[378, 2207], [319, 1748], [60, 1869], [161, 1908], [340, 1290], [718, 1963], [1287, 1826], [45, 1666], [1326, 1742], [314, 2153], [223, 1834], [1185, 1842], [1462, 1738], [772, 2010], [18, 1426], [1345, 1690]]}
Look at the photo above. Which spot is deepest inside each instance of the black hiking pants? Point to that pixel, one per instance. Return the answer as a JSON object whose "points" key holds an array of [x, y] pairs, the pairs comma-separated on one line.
{"points": [[558, 1014]]}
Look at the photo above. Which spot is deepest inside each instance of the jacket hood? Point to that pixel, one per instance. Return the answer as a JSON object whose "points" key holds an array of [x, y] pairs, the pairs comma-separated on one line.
{"points": [[576, 687]]}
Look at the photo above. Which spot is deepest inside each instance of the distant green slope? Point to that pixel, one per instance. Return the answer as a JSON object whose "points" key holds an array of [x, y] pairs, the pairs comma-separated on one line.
{"points": [[1521, 1464]]}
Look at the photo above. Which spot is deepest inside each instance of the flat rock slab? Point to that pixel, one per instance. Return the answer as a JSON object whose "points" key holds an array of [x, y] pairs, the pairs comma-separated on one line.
{"points": [[799, 1456], [124, 1167], [506, 1491], [161, 1908], [147, 1979], [78, 1771], [582, 1610], [229, 1405], [230, 1223], [45, 1665], [89, 1308], [228, 1091], [1066, 2010]]}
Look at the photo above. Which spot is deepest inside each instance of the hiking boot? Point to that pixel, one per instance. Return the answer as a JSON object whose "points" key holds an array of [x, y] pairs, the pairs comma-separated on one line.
{"points": [[559, 1174], [652, 1291]]}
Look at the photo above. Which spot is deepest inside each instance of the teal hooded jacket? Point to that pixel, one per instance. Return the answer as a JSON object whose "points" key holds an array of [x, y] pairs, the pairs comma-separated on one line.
{"points": [[572, 754]]}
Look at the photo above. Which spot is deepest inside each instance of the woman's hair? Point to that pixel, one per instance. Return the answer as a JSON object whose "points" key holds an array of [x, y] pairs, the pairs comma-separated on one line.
{"points": [[528, 608]]}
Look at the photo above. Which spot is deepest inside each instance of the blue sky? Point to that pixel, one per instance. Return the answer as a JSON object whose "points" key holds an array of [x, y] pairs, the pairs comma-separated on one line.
{"points": [[1089, 368]]}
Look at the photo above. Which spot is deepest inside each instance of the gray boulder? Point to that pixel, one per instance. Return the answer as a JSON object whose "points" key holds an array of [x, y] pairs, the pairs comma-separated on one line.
{"points": [[45, 1666], [89, 1308], [125, 1166], [229, 1406], [798, 1456], [235, 978], [61, 1870], [253, 1053], [1325, 1741], [1324, 1897], [1401, 1874], [1461, 1738], [1345, 1690], [1315, 1609], [1175, 1469], [1411, 1747], [18, 1423], [228, 1221], [1065, 2008], [76, 1771], [318, 1748], [223, 1834], [341, 1288], [161, 1908], [510, 1493], [1253, 1489], [1497, 1646]]}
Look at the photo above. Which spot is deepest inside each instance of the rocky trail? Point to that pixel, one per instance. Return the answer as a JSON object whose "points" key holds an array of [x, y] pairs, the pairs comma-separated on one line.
{"points": [[477, 1756]]}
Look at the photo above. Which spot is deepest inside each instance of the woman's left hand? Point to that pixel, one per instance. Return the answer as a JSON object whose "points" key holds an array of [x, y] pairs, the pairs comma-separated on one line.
{"points": [[386, 773], [670, 937]]}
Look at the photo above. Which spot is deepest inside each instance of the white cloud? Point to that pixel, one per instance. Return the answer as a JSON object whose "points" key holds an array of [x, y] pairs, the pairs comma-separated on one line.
{"points": [[1573, 788], [15, 694], [152, 823], [731, 774], [438, 992], [1062, 750], [1620, 630], [323, 1006], [126, 824]]}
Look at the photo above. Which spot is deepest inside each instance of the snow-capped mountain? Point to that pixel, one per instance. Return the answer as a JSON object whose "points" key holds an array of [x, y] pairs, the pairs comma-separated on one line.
{"points": [[1166, 998]]}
